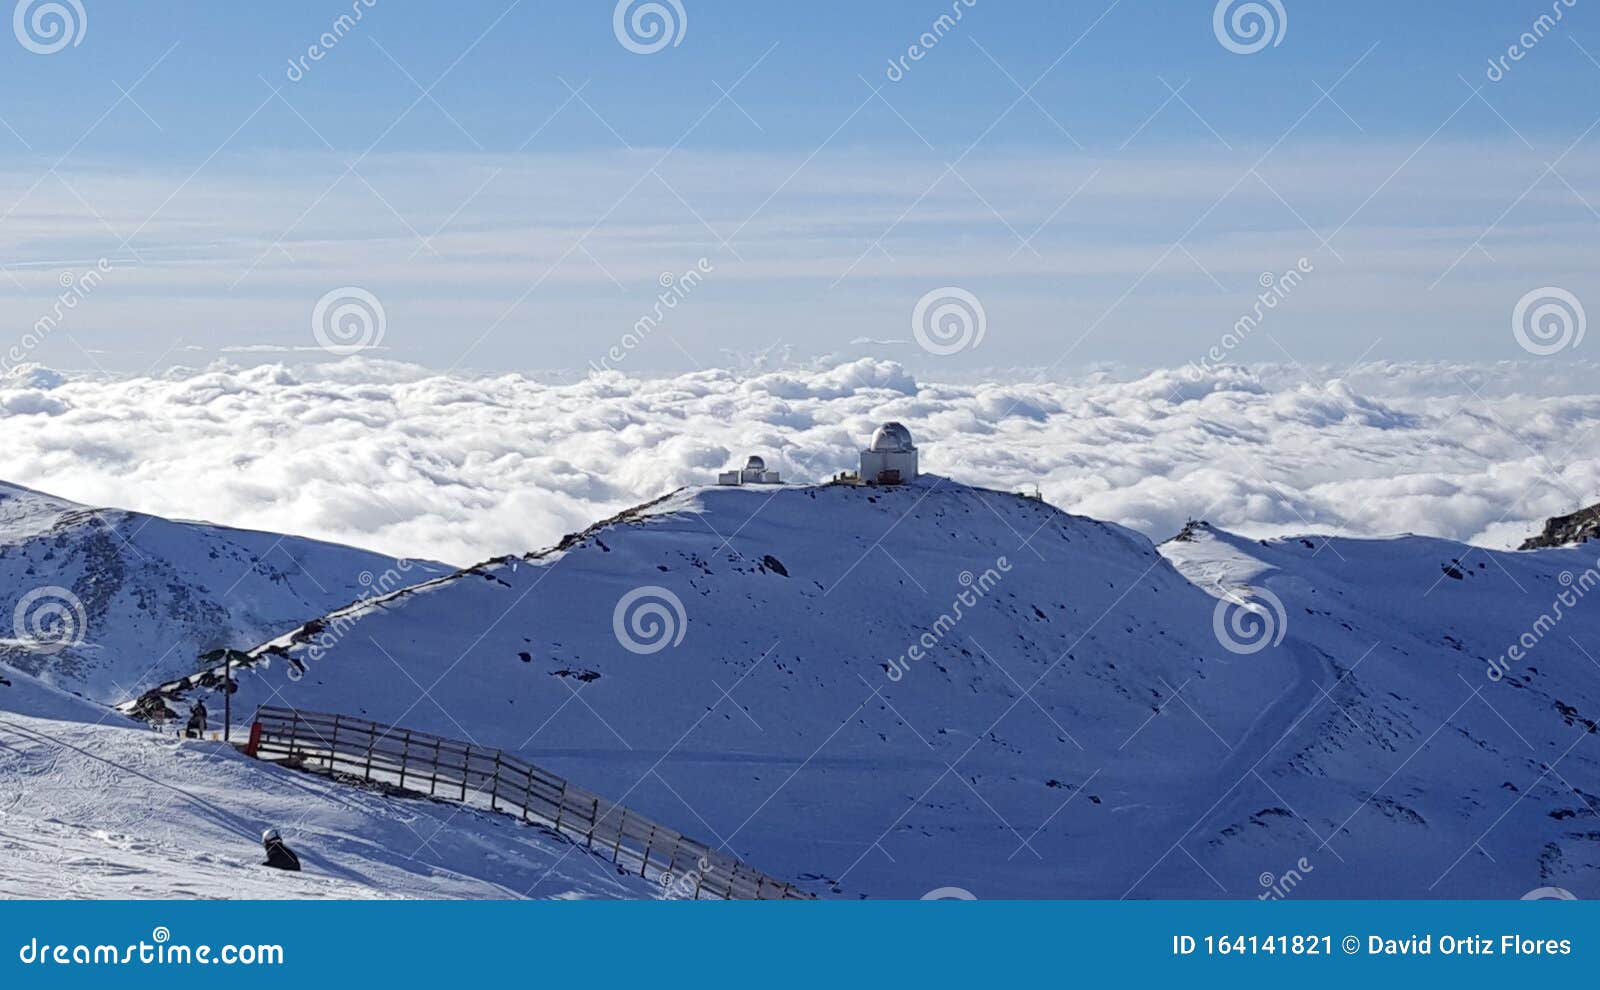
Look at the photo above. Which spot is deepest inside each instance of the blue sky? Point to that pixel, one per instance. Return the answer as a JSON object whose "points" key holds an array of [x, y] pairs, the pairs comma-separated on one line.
{"points": [[521, 214]]}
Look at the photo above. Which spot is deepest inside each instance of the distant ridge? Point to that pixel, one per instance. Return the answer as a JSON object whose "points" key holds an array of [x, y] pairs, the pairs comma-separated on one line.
{"points": [[1564, 531]]}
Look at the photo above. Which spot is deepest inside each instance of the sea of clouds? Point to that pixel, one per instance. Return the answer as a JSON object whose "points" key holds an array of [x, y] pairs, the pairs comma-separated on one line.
{"points": [[461, 467]]}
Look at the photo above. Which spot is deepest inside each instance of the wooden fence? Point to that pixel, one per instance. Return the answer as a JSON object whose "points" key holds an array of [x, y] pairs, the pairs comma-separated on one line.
{"points": [[458, 771]]}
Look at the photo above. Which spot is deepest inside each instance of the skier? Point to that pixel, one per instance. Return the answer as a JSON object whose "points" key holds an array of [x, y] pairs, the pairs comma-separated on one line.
{"points": [[197, 721], [279, 856]]}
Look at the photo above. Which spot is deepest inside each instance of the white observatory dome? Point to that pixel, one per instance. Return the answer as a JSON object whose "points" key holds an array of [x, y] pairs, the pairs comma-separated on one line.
{"points": [[755, 463], [891, 438]]}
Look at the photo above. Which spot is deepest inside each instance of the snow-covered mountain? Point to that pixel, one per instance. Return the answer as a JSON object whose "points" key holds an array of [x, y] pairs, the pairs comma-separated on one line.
{"points": [[1448, 750], [884, 691], [106, 603], [880, 691], [93, 805]]}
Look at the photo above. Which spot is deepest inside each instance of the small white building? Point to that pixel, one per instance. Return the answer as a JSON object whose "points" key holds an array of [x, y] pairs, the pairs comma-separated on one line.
{"points": [[754, 473], [890, 458]]}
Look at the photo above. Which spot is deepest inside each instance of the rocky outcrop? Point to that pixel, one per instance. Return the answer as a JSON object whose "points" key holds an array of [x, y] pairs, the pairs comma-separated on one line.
{"points": [[1563, 531]]}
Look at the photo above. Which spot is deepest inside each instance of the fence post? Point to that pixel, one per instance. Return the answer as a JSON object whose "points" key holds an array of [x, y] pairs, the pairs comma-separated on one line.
{"points": [[333, 745], [561, 805], [616, 850], [405, 758], [594, 820], [294, 731], [466, 771], [527, 792], [494, 786], [372, 740], [648, 842], [433, 781]]}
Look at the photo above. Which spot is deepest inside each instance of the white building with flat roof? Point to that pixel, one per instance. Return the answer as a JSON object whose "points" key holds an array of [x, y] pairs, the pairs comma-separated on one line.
{"points": [[754, 473]]}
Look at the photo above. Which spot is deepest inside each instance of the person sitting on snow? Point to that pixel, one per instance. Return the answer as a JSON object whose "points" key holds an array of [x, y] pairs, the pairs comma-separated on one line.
{"points": [[279, 856]]}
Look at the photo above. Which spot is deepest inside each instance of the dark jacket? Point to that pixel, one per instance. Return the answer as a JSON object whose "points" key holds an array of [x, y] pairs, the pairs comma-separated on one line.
{"points": [[281, 857]]}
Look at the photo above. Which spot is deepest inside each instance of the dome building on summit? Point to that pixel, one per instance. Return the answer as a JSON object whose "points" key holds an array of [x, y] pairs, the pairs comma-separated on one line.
{"points": [[754, 473], [890, 457]]}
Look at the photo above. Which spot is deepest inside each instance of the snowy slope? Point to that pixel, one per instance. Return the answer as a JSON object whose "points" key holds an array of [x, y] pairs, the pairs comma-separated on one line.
{"points": [[107, 603], [92, 805], [1048, 740], [1436, 762]]}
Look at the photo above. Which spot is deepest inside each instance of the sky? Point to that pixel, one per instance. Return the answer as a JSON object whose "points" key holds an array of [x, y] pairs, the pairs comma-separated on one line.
{"points": [[550, 189]]}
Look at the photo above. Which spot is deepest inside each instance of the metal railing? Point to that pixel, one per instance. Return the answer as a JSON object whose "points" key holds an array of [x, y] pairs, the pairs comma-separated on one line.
{"points": [[341, 745]]}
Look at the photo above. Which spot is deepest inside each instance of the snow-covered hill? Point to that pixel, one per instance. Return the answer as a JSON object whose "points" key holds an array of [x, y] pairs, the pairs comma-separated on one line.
{"points": [[107, 603], [92, 805], [1449, 750], [882, 691], [886, 691]]}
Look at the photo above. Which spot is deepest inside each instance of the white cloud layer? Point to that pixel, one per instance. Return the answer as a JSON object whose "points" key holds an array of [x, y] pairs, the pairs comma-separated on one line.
{"points": [[406, 461]]}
